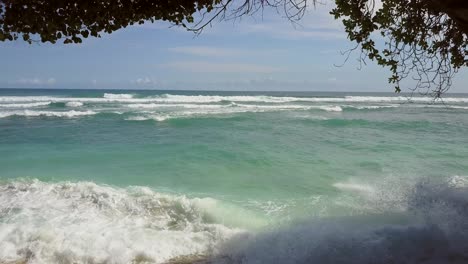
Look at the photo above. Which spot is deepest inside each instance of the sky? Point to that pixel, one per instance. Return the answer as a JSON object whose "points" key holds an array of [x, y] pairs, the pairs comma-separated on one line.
{"points": [[264, 52]]}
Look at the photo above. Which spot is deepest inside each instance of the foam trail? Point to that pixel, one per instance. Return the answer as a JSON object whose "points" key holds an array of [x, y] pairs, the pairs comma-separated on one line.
{"points": [[26, 105], [221, 110], [161, 105], [458, 107], [31, 113], [331, 108], [370, 107], [154, 117], [354, 187], [275, 107], [139, 118], [168, 98], [201, 113]]}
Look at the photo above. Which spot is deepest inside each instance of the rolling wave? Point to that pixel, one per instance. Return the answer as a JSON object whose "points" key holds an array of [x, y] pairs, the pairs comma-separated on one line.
{"points": [[31, 113], [117, 96], [83, 222], [25, 105], [89, 223], [167, 106], [168, 98], [74, 104]]}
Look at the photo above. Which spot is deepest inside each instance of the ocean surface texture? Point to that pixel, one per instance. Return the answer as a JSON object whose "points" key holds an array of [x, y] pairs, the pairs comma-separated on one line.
{"points": [[90, 176]]}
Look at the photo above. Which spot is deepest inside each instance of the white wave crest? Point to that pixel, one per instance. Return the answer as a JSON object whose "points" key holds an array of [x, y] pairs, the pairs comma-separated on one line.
{"points": [[163, 105], [458, 107], [74, 104], [12, 99], [32, 113], [331, 108], [155, 117], [218, 110], [25, 105], [138, 118], [118, 96], [169, 98], [89, 223], [370, 107], [285, 99], [273, 107]]}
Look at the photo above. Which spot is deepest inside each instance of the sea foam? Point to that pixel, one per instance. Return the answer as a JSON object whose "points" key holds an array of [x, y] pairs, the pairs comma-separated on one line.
{"points": [[171, 106], [25, 105], [169, 98], [432, 228], [74, 104], [89, 223], [85, 222], [117, 96], [31, 113]]}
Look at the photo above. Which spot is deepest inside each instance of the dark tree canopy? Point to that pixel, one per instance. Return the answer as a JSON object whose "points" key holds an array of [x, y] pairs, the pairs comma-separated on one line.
{"points": [[423, 40], [70, 21]]}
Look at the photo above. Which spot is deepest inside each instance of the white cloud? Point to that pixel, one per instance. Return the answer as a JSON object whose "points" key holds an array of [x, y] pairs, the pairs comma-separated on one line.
{"points": [[211, 67], [145, 81], [34, 81], [51, 81]]}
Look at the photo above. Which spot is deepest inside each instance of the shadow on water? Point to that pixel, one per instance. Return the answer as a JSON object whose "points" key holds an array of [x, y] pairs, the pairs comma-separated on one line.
{"points": [[433, 230]]}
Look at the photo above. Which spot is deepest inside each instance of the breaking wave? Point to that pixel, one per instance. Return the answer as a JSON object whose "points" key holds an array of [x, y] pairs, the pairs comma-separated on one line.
{"points": [[31, 113], [169, 106], [74, 104], [25, 105], [118, 96], [83, 222], [168, 98], [431, 227], [88, 223]]}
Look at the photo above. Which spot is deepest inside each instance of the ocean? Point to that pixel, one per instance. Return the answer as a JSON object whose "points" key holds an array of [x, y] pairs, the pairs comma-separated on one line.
{"points": [[126, 176]]}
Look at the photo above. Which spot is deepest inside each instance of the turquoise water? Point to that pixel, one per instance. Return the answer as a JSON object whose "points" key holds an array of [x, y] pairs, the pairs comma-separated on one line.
{"points": [[161, 168]]}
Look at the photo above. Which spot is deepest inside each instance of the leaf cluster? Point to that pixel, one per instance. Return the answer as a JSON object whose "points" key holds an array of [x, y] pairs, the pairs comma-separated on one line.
{"points": [[72, 20], [421, 41]]}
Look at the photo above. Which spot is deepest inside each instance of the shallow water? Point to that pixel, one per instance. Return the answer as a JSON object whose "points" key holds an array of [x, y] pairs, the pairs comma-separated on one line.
{"points": [[91, 176]]}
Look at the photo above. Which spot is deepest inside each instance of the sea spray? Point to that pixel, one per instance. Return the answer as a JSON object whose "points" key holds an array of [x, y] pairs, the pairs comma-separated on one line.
{"points": [[434, 229], [89, 223]]}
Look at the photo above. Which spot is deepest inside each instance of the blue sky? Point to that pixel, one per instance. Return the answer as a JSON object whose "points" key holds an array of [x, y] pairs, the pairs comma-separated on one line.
{"points": [[257, 53]]}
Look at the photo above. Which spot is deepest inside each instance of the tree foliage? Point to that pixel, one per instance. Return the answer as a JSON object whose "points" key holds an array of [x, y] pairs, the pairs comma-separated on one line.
{"points": [[72, 20], [423, 40]]}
